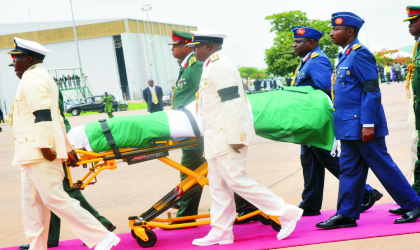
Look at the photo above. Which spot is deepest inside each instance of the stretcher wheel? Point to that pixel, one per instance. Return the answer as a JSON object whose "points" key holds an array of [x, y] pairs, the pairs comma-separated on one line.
{"points": [[264, 220], [152, 239], [275, 226], [133, 234]]}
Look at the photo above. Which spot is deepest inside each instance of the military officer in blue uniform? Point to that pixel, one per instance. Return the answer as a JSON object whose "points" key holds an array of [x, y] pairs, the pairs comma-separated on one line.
{"points": [[315, 70], [360, 124]]}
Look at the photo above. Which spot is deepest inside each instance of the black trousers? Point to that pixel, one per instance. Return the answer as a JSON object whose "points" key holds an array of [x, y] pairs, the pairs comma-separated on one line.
{"points": [[314, 162], [155, 108], [398, 76]]}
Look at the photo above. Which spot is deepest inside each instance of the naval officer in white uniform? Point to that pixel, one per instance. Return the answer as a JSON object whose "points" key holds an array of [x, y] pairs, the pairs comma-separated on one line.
{"points": [[228, 130], [41, 145]]}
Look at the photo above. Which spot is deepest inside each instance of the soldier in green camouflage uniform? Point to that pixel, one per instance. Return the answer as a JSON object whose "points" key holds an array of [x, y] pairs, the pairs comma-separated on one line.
{"points": [[184, 93], [414, 73]]}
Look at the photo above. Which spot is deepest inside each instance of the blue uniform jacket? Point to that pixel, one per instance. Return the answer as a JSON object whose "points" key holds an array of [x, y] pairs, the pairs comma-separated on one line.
{"points": [[357, 94], [316, 71]]}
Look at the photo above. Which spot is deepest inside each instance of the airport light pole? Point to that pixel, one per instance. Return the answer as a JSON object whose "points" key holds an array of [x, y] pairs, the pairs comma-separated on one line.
{"points": [[152, 40], [75, 38], [367, 41], [4, 93]]}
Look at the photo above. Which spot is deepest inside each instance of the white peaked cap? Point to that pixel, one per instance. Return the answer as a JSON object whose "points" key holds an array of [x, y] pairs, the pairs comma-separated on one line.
{"points": [[29, 47], [208, 33]]}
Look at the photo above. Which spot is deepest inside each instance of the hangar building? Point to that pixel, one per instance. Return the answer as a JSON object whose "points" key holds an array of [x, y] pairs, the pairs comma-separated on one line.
{"points": [[117, 56]]}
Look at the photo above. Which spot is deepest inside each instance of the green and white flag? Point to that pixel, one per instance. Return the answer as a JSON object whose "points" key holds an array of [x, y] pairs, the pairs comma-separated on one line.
{"points": [[298, 115]]}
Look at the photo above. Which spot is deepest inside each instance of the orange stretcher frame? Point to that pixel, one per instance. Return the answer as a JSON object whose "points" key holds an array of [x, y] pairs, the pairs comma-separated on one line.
{"points": [[142, 226]]}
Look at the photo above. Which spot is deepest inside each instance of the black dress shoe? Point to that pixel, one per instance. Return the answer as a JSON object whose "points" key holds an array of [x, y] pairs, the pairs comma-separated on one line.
{"points": [[245, 212], [409, 217], [370, 200], [26, 246], [338, 221], [399, 211], [310, 211]]}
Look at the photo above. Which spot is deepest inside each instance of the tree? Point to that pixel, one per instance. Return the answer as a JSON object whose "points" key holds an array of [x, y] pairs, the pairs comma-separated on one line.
{"points": [[280, 58], [248, 72], [385, 56], [252, 73]]}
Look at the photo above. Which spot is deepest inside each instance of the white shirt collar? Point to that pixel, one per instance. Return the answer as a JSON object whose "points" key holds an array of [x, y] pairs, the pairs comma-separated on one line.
{"points": [[186, 60], [345, 48], [152, 87], [304, 58]]}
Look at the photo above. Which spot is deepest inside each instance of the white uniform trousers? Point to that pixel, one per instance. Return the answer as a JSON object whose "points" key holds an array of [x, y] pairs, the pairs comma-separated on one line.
{"points": [[42, 191], [226, 175]]}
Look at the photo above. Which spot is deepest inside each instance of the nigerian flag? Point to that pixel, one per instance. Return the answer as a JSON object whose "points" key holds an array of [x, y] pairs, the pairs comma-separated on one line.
{"points": [[298, 115]]}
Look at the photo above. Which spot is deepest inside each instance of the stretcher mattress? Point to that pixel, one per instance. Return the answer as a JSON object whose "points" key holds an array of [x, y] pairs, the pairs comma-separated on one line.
{"points": [[298, 115]]}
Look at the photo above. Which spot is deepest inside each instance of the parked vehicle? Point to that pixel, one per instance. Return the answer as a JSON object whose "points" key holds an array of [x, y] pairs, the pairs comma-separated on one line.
{"points": [[94, 103], [166, 98]]}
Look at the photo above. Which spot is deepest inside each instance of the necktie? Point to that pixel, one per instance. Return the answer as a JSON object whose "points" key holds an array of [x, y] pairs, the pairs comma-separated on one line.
{"points": [[297, 69], [154, 96], [340, 55]]}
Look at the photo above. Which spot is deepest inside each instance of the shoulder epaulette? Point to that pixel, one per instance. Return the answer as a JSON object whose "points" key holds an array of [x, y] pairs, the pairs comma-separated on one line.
{"points": [[315, 54], [214, 57], [356, 46], [192, 60]]}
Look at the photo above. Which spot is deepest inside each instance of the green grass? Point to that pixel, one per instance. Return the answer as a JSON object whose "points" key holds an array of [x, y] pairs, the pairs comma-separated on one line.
{"points": [[83, 113], [134, 106], [131, 106]]}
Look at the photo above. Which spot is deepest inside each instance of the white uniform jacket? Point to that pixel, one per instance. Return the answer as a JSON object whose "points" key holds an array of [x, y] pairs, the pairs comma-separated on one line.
{"points": [[36, 118], [223, 107]]}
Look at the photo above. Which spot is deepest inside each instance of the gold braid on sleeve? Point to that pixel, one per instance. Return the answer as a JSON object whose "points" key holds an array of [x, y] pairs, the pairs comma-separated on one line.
{"points": [[296, 72], [172, 99], [410, 70], [333, 81], [11, 115], [197, 95]]}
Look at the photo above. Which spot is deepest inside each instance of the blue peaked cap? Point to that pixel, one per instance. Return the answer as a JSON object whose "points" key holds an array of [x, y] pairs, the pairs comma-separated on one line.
{"points": [[307, 32], [346, 19]]}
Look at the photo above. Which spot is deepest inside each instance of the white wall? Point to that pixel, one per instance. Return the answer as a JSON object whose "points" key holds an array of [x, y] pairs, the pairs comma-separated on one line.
{"points": [[98, 62], [132, 64], [142, 63]]}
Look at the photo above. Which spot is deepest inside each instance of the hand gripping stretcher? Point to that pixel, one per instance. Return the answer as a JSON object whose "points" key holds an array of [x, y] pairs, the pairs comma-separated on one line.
{"points": [[142, 225]]}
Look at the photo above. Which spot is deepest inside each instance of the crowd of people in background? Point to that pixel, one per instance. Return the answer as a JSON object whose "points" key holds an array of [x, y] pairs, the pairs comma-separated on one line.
{"points": [[265, 84], [395, 72], [70, 81]]}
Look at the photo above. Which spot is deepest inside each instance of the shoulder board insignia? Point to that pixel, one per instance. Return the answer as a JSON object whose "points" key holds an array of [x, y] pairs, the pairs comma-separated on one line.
{"points": [[356, 46], [315, 54], [214, 57], [192, 60]]}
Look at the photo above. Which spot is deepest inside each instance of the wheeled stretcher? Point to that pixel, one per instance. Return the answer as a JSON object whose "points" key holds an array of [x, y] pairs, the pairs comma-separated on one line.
{"points": [[275, 117], [142, 225]]}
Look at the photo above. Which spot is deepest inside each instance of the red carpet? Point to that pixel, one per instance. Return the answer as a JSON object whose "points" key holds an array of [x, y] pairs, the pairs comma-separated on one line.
{"points": [[376, 222]]}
